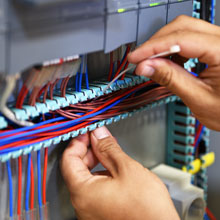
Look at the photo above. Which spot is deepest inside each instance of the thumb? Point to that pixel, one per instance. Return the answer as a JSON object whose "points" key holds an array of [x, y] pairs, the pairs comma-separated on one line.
{"points": [[175, 78], [108, 152]]}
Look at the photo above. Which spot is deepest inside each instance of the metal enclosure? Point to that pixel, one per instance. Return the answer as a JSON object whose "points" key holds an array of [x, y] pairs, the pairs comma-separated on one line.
{"points": [[33, 31], [150, 21], [121, 28], [179, 8]]}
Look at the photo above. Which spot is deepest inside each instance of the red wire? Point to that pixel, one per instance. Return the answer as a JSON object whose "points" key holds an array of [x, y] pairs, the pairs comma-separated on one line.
{"points": [[21, 96], [19, 185], [198, 134], [24, 142], [52, 88], [45, 175], [51, 134], [41, 92], [210, 214], [100, 107], [32, 186], [111, 67], [123, 62]]}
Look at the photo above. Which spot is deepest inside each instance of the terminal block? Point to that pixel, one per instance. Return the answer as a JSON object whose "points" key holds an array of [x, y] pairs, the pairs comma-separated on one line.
{"points": [[180, 135]]}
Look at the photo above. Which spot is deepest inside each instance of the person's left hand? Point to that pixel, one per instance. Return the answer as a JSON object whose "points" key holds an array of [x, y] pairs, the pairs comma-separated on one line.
{"points": [[126, 190]]}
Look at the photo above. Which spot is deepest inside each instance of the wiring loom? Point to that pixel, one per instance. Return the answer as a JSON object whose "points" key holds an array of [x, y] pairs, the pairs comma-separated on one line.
{"points": [[62, 121]]}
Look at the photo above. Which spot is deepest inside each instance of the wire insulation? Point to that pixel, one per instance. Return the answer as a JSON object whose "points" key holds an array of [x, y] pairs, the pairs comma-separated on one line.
{"points": [[28, 183], [10, 189], [39, 178], [19, 185], [45, 175]]}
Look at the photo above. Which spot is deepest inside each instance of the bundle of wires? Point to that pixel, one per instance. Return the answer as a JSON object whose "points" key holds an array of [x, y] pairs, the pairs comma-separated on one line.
{"points": [[120, 65], [66, 120], [79, 75], [81, 115]]}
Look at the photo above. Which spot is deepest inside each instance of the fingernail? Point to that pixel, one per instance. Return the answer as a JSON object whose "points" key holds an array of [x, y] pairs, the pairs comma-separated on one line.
{"points": [[101, 133], [148, 71]]}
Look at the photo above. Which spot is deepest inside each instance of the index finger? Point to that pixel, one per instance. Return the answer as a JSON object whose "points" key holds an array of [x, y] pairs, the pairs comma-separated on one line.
{"points": [[192, 44]]}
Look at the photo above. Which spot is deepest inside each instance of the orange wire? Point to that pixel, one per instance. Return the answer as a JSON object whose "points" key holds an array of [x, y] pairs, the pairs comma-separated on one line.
{"points": [[45, 175], [19, 185], [32, 186]]}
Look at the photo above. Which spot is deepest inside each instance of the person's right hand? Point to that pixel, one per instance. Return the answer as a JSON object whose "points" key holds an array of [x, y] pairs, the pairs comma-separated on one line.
{"points": [[197, 39]]}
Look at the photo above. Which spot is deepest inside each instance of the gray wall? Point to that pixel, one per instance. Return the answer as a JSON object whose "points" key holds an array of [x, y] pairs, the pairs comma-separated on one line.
{"points": [[213, 172]]}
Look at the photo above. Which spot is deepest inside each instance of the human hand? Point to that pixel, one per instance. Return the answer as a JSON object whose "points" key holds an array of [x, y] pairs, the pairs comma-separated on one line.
{"points": [[197, 39], [126, 190]]}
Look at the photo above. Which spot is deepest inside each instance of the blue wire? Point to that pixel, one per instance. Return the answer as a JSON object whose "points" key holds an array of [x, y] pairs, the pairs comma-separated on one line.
{"points": [[200, 136], [80, 81], [27, 145], [10, 189], [33, 126], [123, 57], [72, 122], [28, 183], [194, 74], [80, 76], [87, 78], [206, 217], [65, 124], [213, 12], [113, 72], [197, 123], [39, 178], [77, 82]]}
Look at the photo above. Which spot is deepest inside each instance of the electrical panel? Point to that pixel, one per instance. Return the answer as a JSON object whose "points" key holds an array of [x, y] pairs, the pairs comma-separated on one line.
{"points": [[178, 8], [57, 58], [150, 21], [88, 26]]}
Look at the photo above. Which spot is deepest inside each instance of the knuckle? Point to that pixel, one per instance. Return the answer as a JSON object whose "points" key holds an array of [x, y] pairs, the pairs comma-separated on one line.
{"points": [[181, 19], [179, 33], [108, 144], [166, 77]]}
